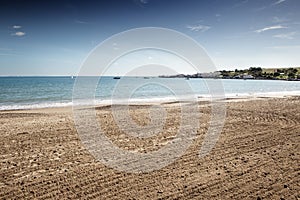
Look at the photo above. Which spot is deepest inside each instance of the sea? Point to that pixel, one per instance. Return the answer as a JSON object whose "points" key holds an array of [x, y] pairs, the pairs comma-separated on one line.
{"points": [[43, 92]]}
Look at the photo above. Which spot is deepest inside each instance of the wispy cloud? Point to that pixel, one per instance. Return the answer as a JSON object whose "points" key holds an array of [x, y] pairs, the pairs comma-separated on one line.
{"points": [[260, 9], [19, 34], [270, 28], [5, 49], [218, 17], [144, 1], [80, 22], [279, 19], [288, 36], [198, 28], [8, 54], [279, 2], [270, 5], [240, 4], [284, 47], [17, 26], [141, 3]]}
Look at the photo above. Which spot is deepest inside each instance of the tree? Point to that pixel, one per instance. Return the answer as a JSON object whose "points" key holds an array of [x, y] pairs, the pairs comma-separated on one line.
{"points": [[295, 71], [276, 74], [291, 75], [255, 71], [280, 71]]}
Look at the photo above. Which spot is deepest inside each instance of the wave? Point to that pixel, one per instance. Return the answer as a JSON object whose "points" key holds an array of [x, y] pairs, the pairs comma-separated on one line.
{"points": [[98, 102]]}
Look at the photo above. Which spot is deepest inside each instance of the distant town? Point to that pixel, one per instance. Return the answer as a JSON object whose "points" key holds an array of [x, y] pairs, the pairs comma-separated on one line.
{"points": [[292, 74]]}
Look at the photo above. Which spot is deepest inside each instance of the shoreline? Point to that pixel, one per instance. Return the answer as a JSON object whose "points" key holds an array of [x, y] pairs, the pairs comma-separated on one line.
{"points": [[156, 100]]}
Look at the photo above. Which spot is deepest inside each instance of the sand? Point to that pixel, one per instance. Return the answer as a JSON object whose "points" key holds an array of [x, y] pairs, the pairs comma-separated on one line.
{"points": [[256, 157]]}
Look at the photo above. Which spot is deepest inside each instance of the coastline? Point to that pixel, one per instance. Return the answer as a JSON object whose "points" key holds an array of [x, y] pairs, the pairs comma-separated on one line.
{"points": [[227, 97], [256, 155]]}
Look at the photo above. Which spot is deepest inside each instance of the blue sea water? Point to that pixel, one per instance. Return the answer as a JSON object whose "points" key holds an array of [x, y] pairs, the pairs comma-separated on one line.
{"points": [[38, 92]]}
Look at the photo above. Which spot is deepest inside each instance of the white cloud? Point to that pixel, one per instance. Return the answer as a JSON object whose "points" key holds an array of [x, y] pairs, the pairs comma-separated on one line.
{"points": [[80, 22], [115, 46], [268, 6], [8, 54], [279, 20], [270, 28], [5, 49], [141, 3], [200, 28], [240, 4], [289, 36], [19, 34], [287, 47], [144, 1], [279, 2], [260, 9], [17, 27], [218, 16]]}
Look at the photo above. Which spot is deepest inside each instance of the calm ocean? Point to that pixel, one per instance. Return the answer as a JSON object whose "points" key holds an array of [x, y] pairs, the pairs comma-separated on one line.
{"points": [[38, 92]]}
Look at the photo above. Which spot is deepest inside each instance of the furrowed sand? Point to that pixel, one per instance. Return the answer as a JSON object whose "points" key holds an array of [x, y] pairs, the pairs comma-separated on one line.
{"points": [[256, 157]]}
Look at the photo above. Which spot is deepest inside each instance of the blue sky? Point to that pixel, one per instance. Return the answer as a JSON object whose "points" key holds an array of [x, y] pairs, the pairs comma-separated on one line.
{"points": [[54, 37]]}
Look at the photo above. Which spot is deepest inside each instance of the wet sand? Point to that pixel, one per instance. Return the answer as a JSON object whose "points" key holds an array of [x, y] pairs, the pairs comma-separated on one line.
{"points": [[256, 156]]}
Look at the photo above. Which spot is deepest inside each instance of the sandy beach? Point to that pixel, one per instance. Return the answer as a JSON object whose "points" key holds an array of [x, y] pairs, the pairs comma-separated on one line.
{"points": [[256, 157]]}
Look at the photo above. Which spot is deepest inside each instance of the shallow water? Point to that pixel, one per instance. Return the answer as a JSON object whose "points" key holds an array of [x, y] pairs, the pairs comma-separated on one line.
{"points": [[38, 92]]}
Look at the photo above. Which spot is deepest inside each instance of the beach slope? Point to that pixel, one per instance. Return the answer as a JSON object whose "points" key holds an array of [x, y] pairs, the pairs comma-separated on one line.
{"points": [[256, 156]]}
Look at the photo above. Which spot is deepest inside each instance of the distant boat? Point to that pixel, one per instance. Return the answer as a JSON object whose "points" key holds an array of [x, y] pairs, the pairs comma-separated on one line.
{"points": [[117, 77], [72, 77]]}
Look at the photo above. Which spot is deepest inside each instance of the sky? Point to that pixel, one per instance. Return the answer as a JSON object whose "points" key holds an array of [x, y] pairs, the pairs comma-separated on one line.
{"points": [[55, 37]]}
